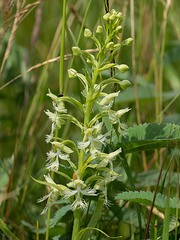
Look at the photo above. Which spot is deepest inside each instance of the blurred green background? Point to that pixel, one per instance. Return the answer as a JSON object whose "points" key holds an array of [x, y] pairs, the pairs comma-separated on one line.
{"points": [[37, 38]]}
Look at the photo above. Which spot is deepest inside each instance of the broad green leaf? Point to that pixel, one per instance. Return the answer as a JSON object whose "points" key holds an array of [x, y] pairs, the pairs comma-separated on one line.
{"points": [[147, 198], [149, 136], [6, 231], [59, 214]]}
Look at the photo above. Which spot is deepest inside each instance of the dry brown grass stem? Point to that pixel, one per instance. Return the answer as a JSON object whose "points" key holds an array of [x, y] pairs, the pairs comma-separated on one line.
{"points": [[10, 42], [134, 76], [19, 14], [166, 8], [155, 211], [66, 57], [134, 61]]}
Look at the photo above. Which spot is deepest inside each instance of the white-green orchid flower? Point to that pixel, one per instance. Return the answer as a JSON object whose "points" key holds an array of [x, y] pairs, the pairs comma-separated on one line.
{"points": [[108, 100], [108, 158], [115, 116], [80, 190], [52, 195], [53, 159], [102, 186], [93, 139]]}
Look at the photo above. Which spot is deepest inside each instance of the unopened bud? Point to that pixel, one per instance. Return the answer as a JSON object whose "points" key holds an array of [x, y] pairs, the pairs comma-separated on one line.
{"points": [[113, 11], [72, 73], [99, 29], [125, 84], [106, 16], [76, 51], [119, 15], [128, 42], [122, 68], [112, 17], [87, 33], [119, 29], [110, 46]]}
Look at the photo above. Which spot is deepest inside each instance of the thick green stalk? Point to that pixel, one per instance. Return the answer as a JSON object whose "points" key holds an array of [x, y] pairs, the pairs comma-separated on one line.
{"points": [[61, 72], [87, 117], [77, 212], [76, 224]]}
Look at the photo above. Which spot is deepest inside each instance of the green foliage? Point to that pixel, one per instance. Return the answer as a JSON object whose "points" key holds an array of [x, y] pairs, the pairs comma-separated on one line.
{"points": [[23, 100], [147, 198], [59, 214], [150, 136]]}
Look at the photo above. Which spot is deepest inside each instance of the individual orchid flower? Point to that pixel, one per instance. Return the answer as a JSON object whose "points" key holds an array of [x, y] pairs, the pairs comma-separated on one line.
{"points": [[108, 158], [52, 195], [55, 118], [108, 100], [50, 136], [60, 109], [53, 159], [80, 189], [115, 116], [59, 106], [101, 185], [93, 139]]}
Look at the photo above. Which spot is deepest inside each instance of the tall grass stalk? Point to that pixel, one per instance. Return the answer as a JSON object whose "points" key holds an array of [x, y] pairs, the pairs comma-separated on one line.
{"points": [[164, 26], [6, 231], [155, 60], [78, 40], [177, 221], [61, 72], [134, 75]]}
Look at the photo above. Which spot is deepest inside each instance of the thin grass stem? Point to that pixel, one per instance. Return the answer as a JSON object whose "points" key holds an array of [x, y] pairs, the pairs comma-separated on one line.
{"points": [[78, 40], [61, 72]]}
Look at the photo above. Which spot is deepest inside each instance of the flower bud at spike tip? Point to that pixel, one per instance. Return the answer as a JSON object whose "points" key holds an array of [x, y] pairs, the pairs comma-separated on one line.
{"points": [[113, 11], [110, 46], [87, 33], [123, 68], [112, 17], [72, 73], [129, 42], [99, 29], [76, 51], [119, 29], [125, 84], [106, 16], [119, 15]]}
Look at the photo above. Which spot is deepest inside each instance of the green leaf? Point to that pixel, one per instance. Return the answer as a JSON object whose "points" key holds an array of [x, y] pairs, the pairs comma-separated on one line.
{"points": [[149, 136], [147, 198], [59, 214], [74, 102], [6, 231], [59, 187]]}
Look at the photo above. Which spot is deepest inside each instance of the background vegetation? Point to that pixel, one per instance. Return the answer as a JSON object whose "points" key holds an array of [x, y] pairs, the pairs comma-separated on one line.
{"points": [[30, 38]]}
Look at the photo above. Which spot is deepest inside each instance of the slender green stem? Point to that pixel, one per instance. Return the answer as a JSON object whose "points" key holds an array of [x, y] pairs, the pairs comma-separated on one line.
{"points": [[6, 231], [78, 40], [76, 224], [48, 222], [87, 116], [61, 72], [37, 230]]}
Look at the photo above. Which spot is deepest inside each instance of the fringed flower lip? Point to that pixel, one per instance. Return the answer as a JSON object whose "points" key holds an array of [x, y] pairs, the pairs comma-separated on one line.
{"points": [[80, 190]]}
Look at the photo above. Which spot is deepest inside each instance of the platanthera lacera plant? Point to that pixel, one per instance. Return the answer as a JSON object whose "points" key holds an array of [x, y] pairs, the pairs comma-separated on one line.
{"points": [[97, 105]]}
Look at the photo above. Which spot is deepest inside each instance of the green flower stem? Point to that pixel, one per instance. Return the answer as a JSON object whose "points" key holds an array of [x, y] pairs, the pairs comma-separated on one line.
{"points": [[87, 118], [61, 72], [76, 224], [77, 212], [48, 222]]}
